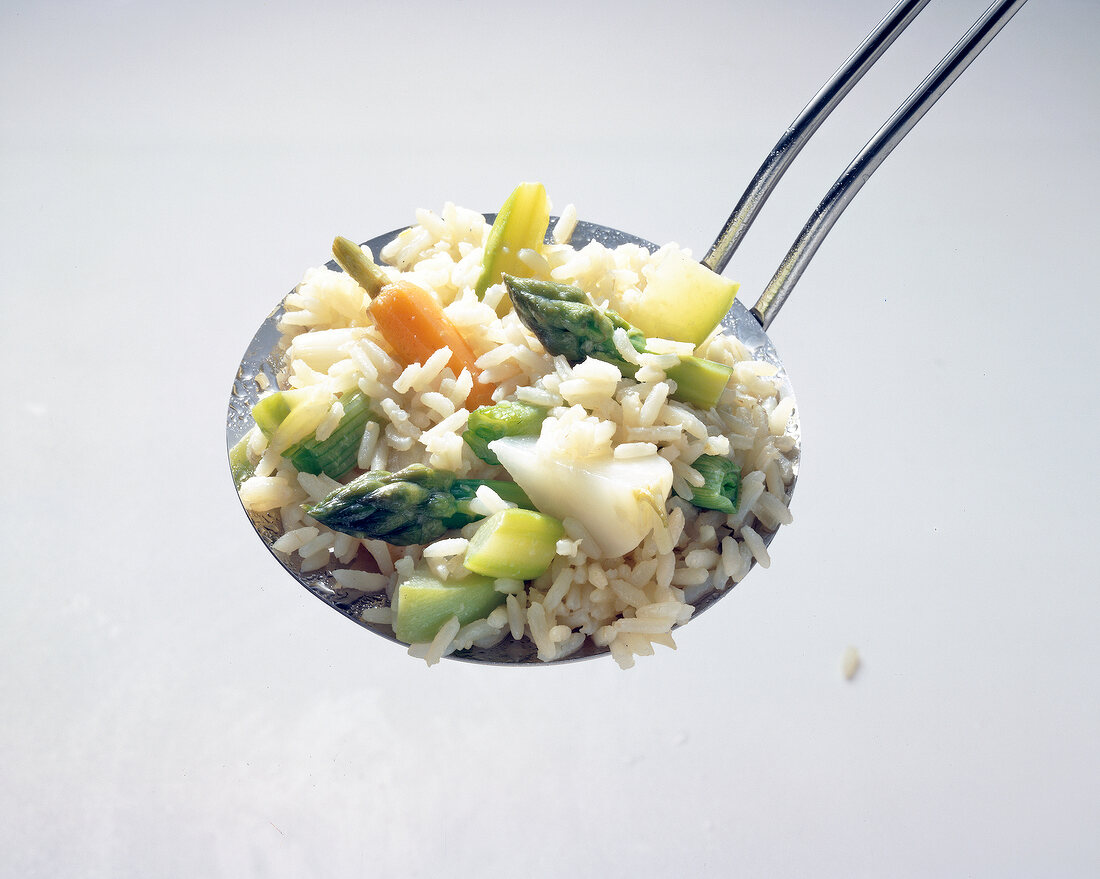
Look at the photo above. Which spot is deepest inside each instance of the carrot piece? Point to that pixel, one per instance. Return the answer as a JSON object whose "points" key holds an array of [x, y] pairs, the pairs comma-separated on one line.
{"points": [[415, 326], [410, 319]]}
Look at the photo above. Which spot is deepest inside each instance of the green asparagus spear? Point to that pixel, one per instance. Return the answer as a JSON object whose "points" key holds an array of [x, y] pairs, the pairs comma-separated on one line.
{"points": [[350, 257], [722, 487], [423, 603], [414, 505], [565, 321], [507, 418]]}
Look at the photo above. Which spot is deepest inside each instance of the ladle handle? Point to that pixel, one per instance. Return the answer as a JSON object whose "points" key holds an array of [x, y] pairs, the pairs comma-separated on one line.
{"points": [[875, 152], [800, 131]]}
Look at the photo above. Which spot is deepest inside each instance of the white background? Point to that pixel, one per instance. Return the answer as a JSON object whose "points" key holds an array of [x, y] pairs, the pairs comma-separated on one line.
{"points": [[173, 704]]}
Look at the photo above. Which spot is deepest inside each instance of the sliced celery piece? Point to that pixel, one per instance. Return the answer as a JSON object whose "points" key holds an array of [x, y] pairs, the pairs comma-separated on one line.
{"points": [[518, 544], [423, 603], [272, 410]]}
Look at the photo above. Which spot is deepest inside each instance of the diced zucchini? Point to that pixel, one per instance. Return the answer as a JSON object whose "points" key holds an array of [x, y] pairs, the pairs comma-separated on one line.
{"points": [[423, 603], [699, 382], [518, 544], [682, 299]]}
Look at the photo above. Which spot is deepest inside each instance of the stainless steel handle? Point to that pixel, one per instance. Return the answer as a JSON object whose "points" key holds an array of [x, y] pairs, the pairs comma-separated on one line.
{"points": [[800, 131], [875, 152]]}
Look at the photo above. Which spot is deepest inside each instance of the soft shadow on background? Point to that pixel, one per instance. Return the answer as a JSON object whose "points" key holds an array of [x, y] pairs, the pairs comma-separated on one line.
{"points": [[175, 705]]}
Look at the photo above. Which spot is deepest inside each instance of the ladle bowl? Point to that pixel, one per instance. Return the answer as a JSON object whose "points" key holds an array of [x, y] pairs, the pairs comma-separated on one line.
{"points": [[265, 355]]}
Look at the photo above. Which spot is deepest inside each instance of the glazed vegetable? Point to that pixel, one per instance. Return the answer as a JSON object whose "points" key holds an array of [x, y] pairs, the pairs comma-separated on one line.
{"points": [[409, 318], [722, 487], [564, 319], [566, 322], [521, 223], [518, 544], [699, 381], [270, 411], [336, 454], [423, 603], [617, 500], [682, 299], [414, 505], [507, 418]]}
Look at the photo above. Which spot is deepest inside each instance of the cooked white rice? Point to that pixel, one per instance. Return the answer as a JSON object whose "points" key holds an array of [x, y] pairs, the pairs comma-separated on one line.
{"points": [[627, 605]]}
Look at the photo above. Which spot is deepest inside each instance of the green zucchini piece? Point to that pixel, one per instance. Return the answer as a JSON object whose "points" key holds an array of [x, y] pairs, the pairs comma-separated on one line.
{"points": [[518, 544], [423, 603], [699, 382]]}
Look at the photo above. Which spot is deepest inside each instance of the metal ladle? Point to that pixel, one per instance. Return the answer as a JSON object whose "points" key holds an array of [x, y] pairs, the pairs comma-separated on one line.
{"points": [[264, 354]]}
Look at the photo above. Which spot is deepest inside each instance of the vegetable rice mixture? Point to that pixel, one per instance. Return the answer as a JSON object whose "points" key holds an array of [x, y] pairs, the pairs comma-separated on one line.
{"points": [[510, 438]]}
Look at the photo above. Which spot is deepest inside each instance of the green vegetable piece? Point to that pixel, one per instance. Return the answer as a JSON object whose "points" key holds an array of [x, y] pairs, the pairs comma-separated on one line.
{"points": [[521, 223], [239, 464], [414, 505], [337, 454], [423, 603], [682, 299], [699, 382], [566, 322], [465, 490], [402, 508], [507, 418], [519, 544], [269, 411], [722, 487]]}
